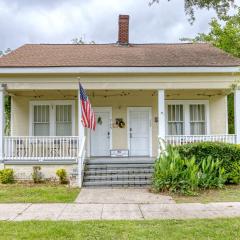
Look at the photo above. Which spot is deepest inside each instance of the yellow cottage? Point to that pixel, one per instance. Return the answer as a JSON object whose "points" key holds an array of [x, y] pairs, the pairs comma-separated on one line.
{"points": [[139, 92]]}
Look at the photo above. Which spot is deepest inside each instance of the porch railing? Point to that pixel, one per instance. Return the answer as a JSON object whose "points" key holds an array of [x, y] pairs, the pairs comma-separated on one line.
{"points": [[184, 139], [41, 148]]}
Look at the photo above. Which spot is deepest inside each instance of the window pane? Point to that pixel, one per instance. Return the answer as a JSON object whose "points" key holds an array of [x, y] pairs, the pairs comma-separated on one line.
{"points": [[197, 119], [41, 129], [63, 129], [63, 120]]}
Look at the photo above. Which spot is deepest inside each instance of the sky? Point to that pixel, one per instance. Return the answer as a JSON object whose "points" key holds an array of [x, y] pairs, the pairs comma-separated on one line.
{"points": [[59, 21]]}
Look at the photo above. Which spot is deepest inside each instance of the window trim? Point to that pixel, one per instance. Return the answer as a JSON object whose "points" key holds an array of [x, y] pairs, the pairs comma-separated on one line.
{"points": [[186, 113], [52, 114]]}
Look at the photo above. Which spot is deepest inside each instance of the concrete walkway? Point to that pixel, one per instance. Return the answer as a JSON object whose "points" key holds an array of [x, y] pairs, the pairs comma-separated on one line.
{"points": [[79, 211], [121, 195], [116, 204]]}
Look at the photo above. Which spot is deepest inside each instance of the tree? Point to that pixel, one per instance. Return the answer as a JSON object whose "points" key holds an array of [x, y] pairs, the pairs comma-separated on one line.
{"points": [[2, 53], [221, 7], [80, 41], [7, 102], [226, 36]]}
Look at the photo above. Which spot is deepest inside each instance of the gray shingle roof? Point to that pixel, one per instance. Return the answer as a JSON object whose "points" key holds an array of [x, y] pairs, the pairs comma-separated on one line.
{"points": [[113, 55]]}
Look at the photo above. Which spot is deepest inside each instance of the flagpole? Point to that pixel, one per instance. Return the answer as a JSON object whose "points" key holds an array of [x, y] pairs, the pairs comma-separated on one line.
{"points": [[80, 125], [81, 136]]}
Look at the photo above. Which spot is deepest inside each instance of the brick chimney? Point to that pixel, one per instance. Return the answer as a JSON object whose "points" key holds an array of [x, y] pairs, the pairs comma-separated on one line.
{"points": [[123, 29]]}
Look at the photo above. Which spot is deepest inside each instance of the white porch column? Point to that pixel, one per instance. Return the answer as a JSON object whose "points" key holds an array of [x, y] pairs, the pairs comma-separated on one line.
{"points": [[237, 115], [161, 115], [2, 113]]}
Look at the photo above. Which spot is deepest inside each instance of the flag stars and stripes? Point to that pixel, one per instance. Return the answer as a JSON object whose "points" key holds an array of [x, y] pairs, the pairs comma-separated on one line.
{"points": [[88, 115]]}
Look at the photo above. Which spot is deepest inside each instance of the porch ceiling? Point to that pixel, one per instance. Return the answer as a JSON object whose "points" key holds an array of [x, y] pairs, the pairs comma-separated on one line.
{"points": [[45, 94], [72, 94]]}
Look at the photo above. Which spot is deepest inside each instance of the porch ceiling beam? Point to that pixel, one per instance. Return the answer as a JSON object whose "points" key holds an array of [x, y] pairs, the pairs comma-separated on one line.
{"points": [[120, 86], [110, 70]]}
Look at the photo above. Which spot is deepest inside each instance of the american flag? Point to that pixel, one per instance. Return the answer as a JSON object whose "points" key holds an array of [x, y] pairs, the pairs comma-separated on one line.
{"points": [[88, 116]]}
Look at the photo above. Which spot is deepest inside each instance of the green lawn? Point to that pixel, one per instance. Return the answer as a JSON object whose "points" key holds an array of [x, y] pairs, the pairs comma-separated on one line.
{"points": [[219, 229], [37, 193], [228, 194]]}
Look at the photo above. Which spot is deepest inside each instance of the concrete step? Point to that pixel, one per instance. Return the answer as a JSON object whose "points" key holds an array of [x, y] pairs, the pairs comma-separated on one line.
{"points": [[118, 171], [119, 161], [118, 166], [117, 183], [118, 177]]}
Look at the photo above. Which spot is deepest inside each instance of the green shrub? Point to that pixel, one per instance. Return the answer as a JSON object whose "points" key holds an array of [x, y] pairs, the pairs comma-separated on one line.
{"points": [[211, 174], [228, 155], [175, 174], [6, 176], [234, 174], [37, 175], [62, 174]]}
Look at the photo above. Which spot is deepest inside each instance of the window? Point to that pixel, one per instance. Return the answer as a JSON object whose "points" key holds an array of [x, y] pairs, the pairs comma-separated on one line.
{"points": [[41, 120], [52, 118], [175, 119], [197, 119], [187, 117], [63, 120]]}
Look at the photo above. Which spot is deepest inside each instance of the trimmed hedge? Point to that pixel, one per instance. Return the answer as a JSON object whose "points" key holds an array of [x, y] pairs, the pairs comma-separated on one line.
{"points": [[228, 154]]}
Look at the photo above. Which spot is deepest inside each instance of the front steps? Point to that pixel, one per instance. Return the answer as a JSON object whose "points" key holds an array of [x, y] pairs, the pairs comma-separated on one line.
{"points": [[114, 172]]}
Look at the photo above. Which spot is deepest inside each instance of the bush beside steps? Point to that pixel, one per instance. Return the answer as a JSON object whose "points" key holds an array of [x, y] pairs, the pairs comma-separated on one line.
{"points": [[186, 175]]}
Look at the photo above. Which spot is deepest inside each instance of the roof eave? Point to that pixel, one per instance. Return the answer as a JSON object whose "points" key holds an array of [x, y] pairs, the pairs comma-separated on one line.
{"points": [[109, 70]]}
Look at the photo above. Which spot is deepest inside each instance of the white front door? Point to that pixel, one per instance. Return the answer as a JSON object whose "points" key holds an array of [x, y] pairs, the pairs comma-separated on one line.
{"points": [[101, 137], [139, 131]]}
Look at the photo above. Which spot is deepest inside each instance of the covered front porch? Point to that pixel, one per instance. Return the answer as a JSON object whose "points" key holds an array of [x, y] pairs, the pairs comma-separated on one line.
{"points": [[45, 123]]}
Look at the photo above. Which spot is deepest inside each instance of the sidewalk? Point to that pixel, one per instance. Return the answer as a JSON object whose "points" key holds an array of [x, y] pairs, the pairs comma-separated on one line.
{"points": [[80, 211]]}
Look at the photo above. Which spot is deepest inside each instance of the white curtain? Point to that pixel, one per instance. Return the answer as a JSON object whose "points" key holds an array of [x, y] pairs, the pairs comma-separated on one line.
{"points": [[175, 119], [197, 119], [63, 120], [41, 120]]}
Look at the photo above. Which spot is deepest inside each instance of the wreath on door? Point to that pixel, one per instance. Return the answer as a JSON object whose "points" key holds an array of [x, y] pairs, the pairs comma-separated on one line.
{"points": [[120, 123]]}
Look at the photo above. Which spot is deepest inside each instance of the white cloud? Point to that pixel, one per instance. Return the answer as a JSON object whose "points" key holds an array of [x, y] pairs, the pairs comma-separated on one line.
{"points": [[58, 21]]}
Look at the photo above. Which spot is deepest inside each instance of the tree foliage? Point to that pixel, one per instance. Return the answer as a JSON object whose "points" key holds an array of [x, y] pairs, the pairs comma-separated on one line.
{"points": [[2, 53], [79, 40], [7, 102], [226, 36], [221, 7]]}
